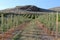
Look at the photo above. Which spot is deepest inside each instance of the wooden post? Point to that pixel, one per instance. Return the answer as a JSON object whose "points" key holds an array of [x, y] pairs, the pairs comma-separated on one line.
{"points": [[11, 20], [2, 22], [31, 16], [7, 23], [16, 20], [56, 26]]}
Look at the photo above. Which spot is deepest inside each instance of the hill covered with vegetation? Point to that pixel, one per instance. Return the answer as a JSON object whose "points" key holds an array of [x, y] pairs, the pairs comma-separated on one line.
{"points": [[27, 8]]}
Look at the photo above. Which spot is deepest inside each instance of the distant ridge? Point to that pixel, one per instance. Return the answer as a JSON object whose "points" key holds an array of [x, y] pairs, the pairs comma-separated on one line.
{"points": [[55, 9], [30, 8]]}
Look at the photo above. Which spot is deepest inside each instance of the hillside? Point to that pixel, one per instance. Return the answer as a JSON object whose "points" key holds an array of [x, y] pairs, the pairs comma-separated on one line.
{"points": [[27, 8], [55, 9]]}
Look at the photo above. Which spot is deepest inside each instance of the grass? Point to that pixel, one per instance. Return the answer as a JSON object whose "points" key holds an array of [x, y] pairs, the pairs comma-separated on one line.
{"points": [[10, 21], [49, 20]]}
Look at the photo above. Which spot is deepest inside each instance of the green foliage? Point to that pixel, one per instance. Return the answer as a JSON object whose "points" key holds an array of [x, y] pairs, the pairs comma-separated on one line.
{"points": [[59, 17], [10, 21], [49, 20]]}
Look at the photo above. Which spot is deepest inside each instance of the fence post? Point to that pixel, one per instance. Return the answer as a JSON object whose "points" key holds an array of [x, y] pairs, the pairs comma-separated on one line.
{"points": [[2, 22], [11, 20], [57, 26], [16, 18]]}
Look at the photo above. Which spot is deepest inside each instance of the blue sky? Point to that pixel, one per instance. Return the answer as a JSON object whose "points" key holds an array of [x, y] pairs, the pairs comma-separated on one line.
{"points": [[40, 3]]}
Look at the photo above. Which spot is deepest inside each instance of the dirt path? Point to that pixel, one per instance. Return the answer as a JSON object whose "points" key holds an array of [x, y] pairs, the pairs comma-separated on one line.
{"points": [[11, 32], [43, 27], [46, 30], [34, 32]]}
